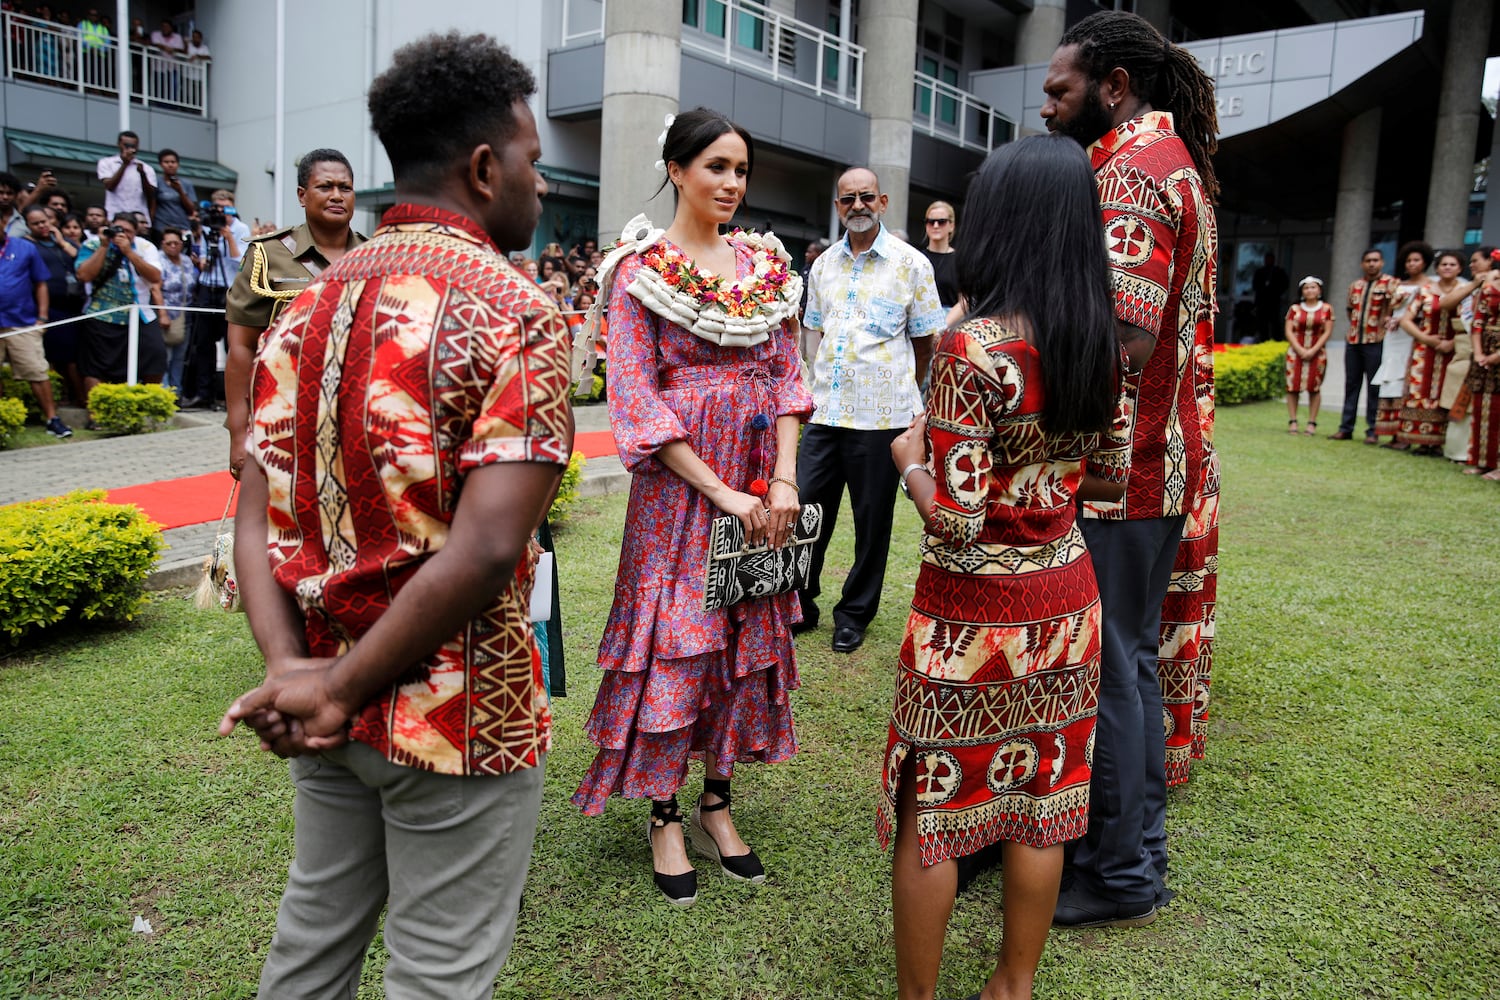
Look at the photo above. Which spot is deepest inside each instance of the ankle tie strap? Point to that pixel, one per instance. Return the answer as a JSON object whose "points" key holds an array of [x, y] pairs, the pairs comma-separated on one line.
{"points": [[719, 787], [665, 811]]}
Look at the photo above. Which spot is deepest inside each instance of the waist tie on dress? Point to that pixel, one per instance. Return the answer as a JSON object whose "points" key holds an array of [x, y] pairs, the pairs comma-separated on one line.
{"points": [[715, 376]]}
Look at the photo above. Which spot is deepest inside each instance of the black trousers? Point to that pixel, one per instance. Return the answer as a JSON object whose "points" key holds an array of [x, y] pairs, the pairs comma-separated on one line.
{"points": [[829, 459], [1361, 362], [1123, 856], [205, 331]]}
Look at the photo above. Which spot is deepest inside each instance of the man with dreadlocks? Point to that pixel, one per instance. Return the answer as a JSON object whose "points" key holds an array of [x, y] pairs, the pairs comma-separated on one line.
{"points": [[1144, 109]]}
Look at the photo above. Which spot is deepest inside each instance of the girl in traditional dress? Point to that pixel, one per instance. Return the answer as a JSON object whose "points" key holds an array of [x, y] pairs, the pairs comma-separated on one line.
{"points": [[1395, 355], [991, 733], [1484, 377], [705, 403], [1424, 421], [1308, 326]]}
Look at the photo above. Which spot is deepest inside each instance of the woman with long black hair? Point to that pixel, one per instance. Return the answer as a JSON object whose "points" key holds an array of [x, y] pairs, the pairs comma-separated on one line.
{"points": [[991, 734]]}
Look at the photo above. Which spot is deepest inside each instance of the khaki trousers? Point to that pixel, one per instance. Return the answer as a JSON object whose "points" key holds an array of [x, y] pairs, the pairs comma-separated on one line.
{"points": [[445, 855]]}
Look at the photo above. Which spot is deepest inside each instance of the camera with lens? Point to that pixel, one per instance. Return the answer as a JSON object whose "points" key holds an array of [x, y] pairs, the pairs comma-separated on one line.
{"points": [[110, 232], [213, 216]]}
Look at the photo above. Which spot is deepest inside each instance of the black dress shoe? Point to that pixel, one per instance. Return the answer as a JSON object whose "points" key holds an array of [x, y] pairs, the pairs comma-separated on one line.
{"points": [[1077, 908], [847, 638]]}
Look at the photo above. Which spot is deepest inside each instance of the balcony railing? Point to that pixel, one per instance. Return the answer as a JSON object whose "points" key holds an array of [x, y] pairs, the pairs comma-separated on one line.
{"points": [[945, 112], [748, 35], [45, 52]]}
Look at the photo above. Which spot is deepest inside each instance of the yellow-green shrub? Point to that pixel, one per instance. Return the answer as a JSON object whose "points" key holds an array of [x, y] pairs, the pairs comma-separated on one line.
{"points": [[12, 419], [72, 558], [1246, 374], [567, 490], [130, 409], [13, 388]]}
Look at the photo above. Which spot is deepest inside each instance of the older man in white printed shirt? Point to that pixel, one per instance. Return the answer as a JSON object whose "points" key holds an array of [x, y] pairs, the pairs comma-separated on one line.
{"points": [[872, 309]]}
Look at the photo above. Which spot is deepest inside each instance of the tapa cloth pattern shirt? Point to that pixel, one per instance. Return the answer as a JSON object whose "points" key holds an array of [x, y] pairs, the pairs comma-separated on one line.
{"points": [[1162, 240], [129, 195], [177, 282], [869, 308], [414, 360], [1370, 306]]}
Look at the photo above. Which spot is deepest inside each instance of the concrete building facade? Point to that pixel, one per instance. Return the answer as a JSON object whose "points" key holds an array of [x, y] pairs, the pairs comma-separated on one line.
{"points": [[1342, 123]]}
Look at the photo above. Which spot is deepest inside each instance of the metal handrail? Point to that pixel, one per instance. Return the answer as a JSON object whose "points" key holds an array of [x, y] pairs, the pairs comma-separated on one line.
{"points": [[792, 52], [37, 50], [976, 125]]}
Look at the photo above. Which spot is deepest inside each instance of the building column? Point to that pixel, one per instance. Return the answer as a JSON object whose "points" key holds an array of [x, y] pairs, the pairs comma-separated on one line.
{"points": [[1457, 123], [642, 69], [1039, 31], [1356, 202], [888, 31]]}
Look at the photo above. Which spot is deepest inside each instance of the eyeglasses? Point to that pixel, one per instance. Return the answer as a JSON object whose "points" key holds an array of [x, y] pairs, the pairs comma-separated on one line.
{"points": [[868, 197], [937, 222]]}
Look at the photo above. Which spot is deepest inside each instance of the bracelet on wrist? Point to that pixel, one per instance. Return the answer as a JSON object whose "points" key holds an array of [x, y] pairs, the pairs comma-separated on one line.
{"points": [[786, 482]]}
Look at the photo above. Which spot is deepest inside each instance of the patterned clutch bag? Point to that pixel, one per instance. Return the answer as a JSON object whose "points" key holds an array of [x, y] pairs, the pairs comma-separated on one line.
{"points": [[737, 573]]}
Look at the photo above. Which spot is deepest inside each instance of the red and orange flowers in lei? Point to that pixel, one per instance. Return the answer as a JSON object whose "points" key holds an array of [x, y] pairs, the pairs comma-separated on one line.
{"points": [[759, 291]]}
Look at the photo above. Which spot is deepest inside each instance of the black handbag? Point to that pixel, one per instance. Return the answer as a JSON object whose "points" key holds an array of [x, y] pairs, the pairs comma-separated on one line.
{"points": [[738, 573]]}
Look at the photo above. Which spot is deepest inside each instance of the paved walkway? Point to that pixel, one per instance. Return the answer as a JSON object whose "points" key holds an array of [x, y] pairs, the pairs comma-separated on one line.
{"points": [[199, 445]]}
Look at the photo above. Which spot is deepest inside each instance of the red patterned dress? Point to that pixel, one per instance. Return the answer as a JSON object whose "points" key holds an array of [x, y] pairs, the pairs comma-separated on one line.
{"points": [[1306, 374], [1484, 383], [680, 681], [1424, 423], [998, 681]]}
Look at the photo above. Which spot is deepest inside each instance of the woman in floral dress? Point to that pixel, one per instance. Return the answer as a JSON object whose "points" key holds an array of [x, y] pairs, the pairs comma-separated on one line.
{"points": [[705, 403], [991, 733], [1308, 326]]}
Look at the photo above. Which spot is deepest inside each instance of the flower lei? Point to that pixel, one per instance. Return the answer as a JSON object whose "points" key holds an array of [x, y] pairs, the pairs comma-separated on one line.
{"points": [[759, 292]]}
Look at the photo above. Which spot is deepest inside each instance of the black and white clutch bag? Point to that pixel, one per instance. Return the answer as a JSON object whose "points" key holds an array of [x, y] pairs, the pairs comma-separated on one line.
{"points": [[737, 573]]}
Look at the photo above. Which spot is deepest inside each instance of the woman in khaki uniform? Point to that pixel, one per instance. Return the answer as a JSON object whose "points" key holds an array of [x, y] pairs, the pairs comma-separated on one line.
{"points": [[277, 267]]}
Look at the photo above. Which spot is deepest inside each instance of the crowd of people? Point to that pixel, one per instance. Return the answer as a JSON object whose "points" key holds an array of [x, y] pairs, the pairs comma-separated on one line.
{"points": [[154, 245], [1059, 458], [1424, 349], [96, 32]]}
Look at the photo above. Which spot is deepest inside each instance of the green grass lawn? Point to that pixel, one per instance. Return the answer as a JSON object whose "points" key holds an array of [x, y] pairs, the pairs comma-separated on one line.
{"points": [[1339, 841]]}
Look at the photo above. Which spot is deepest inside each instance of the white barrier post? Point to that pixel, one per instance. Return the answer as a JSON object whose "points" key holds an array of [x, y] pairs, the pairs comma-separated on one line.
{"points": [[133, 346]]}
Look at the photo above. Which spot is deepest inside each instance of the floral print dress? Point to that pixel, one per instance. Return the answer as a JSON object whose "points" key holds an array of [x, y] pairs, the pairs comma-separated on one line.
{"points": [[679, 681]]}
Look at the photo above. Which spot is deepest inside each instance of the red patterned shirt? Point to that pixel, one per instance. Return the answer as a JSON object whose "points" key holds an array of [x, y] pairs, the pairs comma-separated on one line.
{"points": [[1370, 305], [413, 360], [1162, 239]]}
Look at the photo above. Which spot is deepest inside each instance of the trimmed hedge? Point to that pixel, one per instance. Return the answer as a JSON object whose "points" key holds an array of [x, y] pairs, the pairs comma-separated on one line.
{"points": [[12, 419], [1247, 374], [567, 490], [130, 409], [13, 388], [73, 558]]}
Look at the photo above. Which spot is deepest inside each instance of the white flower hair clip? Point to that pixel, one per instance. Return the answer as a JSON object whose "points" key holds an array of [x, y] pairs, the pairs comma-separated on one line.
{"points": [[661, 141]]}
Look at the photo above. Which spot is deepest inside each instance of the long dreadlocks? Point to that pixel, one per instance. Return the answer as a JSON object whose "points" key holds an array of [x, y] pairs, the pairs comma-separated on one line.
{"points": [[1164, 74]]}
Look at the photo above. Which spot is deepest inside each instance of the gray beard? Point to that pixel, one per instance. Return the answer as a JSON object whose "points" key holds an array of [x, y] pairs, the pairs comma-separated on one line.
{"points": [[861, 223]]}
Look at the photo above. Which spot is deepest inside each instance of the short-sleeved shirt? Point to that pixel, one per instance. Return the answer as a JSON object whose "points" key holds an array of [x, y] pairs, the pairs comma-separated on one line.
{"points": [[174, 41], [220, 266], [412, 361], [1370, 305], [121, 287], [129, 195], [869, 308], [1162, 239], [177, 281], [256, 299], [171, 210], [21, 270]]}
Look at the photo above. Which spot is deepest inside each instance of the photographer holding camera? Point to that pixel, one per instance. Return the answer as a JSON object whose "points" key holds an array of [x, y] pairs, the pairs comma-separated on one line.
{"points": [[218, 243], [121, 268], [129, 183]]}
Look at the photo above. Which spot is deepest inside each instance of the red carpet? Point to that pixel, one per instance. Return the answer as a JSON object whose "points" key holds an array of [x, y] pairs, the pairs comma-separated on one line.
{"points": [[174, 503]]}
